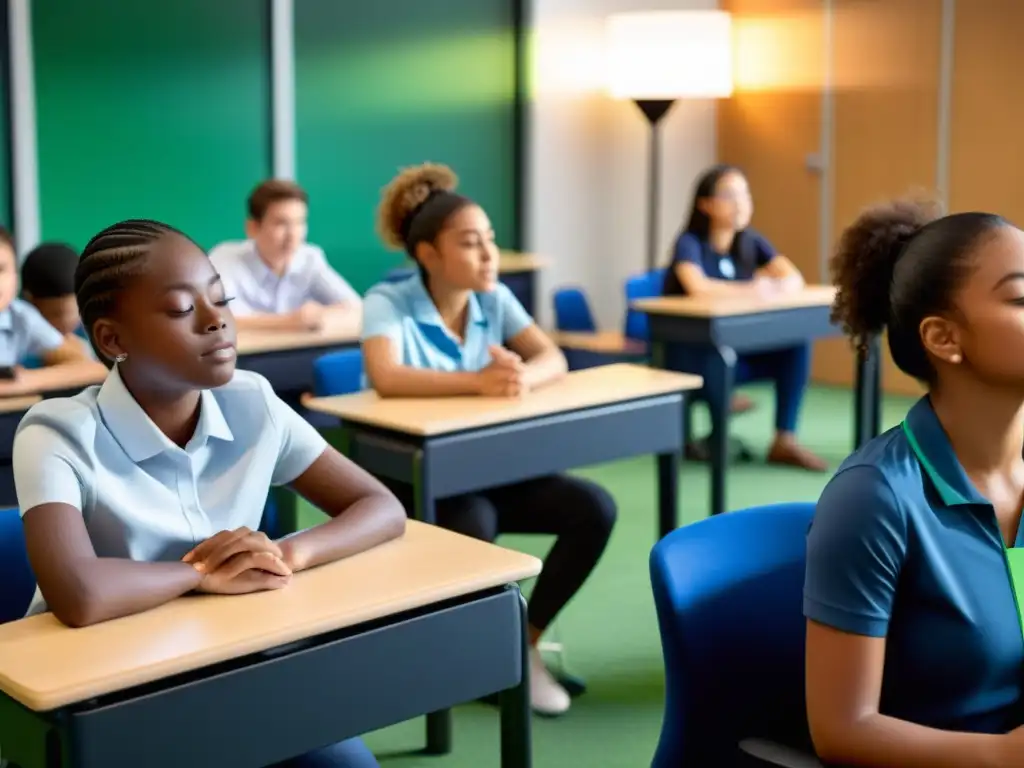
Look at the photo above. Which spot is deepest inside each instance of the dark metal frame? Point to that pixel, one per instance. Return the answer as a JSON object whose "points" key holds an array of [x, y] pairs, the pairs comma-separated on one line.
{"points": [[471, 460], [334, 686], [728, 336]]}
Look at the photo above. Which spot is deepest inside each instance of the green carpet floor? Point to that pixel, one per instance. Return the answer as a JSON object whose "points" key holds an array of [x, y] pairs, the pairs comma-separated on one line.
{"points": [[610, 630]]}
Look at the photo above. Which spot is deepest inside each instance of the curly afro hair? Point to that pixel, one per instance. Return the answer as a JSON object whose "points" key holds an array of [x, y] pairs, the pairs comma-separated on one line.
{"points": [[406, 194]]}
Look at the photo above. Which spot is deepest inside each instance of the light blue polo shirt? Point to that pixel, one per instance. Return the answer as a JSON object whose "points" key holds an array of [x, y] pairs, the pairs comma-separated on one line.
{"points": [[143, 497], [257, 289], [404, 312], [903, 546], [25, 334]]}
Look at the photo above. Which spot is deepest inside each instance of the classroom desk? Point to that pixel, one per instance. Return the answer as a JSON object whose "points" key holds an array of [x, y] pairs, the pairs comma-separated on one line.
{"points": [[422, 623], [286, 358], [517, 270], [450, 446], [732, 325], [11, 411]]}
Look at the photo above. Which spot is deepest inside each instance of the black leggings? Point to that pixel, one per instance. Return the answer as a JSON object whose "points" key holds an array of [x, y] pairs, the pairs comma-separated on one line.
{"points": [[581, 514]]}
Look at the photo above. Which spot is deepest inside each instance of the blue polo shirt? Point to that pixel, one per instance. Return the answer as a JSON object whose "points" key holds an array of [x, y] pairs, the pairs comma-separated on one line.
{"points": [[404, 312], [903, 546], [752, 252]]}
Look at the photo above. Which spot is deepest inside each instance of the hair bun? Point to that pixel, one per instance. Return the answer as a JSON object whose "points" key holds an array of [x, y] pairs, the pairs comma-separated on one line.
{"points": [[865, 258], [406, 192]]}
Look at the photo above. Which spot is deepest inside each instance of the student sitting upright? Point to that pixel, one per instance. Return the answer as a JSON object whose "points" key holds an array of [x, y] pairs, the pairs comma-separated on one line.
{"points": [[444, 332], [48, 284], [279, 281], [24, 333], [152, 485]]}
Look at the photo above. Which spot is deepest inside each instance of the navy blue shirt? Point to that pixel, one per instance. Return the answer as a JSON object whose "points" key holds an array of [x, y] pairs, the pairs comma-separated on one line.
{"points": [[903, 546], [750, 252]]}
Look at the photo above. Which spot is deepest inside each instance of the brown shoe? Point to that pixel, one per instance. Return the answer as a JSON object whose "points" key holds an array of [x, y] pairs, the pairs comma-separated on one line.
{"points": [[788, 452], [741, 404]]}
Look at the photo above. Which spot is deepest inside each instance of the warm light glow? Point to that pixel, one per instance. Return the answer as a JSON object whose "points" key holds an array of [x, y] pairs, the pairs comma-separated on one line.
{"points": [[669, 54]]}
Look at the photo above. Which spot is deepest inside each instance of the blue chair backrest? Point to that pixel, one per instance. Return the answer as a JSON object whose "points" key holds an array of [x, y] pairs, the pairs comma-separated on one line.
{"points": [[398, 274], [17, 582], [572, 311], [646, 286], [338, 373], [729, 597]]}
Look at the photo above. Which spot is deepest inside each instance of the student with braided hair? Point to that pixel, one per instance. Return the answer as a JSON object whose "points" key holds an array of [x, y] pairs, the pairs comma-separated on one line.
{"points": [[453, 329], [152, 485]]}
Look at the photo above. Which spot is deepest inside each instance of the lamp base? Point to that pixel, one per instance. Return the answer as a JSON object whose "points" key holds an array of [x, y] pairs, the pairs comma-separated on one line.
{"points": [[654, 109]]}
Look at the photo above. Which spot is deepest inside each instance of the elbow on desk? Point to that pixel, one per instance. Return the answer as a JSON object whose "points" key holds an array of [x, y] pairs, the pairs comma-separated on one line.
{"points": [[78, 610], [395, 518]]}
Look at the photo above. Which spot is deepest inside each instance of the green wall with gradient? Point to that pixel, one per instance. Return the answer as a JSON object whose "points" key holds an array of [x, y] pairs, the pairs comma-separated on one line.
{"points": [[150, 109], [389, 83]]}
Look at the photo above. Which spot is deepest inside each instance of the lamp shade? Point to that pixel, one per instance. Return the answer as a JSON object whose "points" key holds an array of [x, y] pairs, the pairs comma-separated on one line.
{"points": [[669, 54]]}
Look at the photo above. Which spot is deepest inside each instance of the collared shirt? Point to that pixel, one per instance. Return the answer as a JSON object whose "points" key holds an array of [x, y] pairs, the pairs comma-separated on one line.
{"points": [[24, 333], [903, 546], [404, 312], [753, 252], [144, 498], [256, 289]]}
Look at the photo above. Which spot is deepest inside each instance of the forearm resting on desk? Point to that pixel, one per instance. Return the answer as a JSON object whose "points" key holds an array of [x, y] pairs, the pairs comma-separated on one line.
{"points": [[405, 381], [545, 368]]}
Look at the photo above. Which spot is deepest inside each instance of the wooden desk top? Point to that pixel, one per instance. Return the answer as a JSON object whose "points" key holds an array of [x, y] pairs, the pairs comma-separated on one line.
{"points": [[18, 404], [339, 330], [601, 342], [603, 385], [722, 306], [45, 665], [512, 262]]}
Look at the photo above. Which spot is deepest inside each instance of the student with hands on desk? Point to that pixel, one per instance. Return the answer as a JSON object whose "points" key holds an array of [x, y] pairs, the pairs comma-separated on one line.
{"points": [[152, 485], [719, 254], [915, 653], [453, 329]]}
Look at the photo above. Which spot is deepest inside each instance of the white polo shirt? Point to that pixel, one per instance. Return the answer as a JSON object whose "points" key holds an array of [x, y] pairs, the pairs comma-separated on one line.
{"points": [[257, 289], [143, 497]]}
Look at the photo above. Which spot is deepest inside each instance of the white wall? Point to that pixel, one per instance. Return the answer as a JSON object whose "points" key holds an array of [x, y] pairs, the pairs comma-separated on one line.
{"points": [[587, 207]]}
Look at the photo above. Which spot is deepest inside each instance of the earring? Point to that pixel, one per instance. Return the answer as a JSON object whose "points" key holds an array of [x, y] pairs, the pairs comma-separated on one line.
{"points": [[955, 358], [121, 358]]}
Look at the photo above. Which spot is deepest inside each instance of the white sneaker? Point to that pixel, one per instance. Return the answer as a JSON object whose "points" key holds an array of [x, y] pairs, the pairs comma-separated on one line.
{"points": [[547, 697]]}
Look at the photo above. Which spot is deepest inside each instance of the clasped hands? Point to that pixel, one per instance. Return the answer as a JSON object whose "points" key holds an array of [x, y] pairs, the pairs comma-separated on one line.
{"points": [[241, 561], [505, 376]]}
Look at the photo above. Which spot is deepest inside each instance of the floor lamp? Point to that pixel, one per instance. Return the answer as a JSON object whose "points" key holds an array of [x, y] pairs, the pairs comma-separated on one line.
{"points": [[658, 57]]}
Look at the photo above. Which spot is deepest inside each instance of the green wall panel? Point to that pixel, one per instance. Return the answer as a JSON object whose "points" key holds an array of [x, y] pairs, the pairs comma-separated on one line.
{"points": [[389, 83], [6, 210], [151, 109]]}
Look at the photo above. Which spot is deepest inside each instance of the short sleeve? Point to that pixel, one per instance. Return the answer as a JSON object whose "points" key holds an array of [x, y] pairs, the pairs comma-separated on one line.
{"points": [[855, 551], [40, 336], [299, 443], [514, 317], [44, 469], [381, 318], [763, 250], [327, 286], [687, 251]]}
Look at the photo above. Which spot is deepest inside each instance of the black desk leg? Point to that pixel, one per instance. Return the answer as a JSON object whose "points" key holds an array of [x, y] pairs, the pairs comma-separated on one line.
{"points": [[867, 404], [668, 493], [721, 370], [516, 751]]}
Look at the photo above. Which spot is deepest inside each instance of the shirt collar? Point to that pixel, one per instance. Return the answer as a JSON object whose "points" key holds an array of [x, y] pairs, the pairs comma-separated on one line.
{"points": [[263, 274], [136, 433], [930, 444], [424, 311]]}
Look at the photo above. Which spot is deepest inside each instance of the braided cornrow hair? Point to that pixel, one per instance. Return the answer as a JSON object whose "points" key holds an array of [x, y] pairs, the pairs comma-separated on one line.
{"points": [[111, 258]]}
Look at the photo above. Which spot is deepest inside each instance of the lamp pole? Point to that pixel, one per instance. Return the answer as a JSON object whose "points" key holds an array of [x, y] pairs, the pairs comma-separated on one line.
{"points": [[654, 110]]}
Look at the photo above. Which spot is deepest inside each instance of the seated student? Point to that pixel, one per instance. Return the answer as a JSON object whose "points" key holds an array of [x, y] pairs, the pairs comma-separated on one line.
{"points": [[279, 281], [48, 284], [442, 333], [914, 646], [113, 523], [24, 333], [718, 254]]}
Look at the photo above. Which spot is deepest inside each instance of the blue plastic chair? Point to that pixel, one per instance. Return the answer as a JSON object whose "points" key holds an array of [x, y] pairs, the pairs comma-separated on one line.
{"points": [[338, 373], [398, 274], [572, 311], [729, 592], [17, 582], [649, 285]]}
